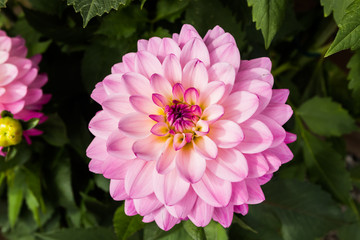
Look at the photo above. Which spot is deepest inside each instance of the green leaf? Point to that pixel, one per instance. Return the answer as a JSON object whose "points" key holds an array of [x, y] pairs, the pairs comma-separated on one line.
{"points": [[170, 10], [325, 117], [16, 182], [91, 8], [54, 131], [354, 74], [126, 226], [3, 3], [33, 205], [268, 15], [214, 231], [196, 233], [336, 6], [22, 155], [242, 224], [30, 124], [326, 166], [350, 232], [78, 234], [348, 35]]}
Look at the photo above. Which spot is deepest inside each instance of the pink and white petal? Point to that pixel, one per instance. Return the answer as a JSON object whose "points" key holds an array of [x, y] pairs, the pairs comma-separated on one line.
{"points": [[153, 45], [120, 146], [258, 166], [262, 89], [191, 96], [166, 47], [224, 215], [221, 40], [242, 209], [33, 95], [5, 43], [117, 190], [213, 190], [13, 93], [280, 112], [95, 166], [166, 161], [99, 94], [117, 105], [212, 34], [257, 137], [226, 133], [129, 207], [172, 69], [240, 193], [240, 106], [143, 104], [30, 78], [137, 84], [161, 85], [119, 68], [129, 61], [114, 83], [226, 53], [225, 73], [273, 161], [280, 95], [205, 147], [15, 107], [138, 179], [148, 218], [115, 168], [142, 45], [230, 165], [102, 124], [8, 73], [147, 205], [187, 33], [170, 188], [290, 137], [263, 62], [212, 113], [256, 73], [147, 64], [149, 148], [195, 75], [23, 65], [201, 213], [165, 220], [3, 56], [264, 179], [136, 125], [190, 164], [212, 94], [195, 49], [182, 208], [97, 149], [277, 131], [282, 152], [255, 192]]}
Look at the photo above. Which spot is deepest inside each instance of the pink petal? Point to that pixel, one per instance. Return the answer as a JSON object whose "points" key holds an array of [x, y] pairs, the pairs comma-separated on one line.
{"points": [[117, 190], [3, 56], [224, 72], [15, 107], [164, 220], [195, 49], [119, 68], [187, 33], [212, 113], [290, 137], [129, 207], [242, 209], [264, 179], [39, 82], [115, 168], [136, 125], [276, 130], [172, 69], [226, 133], [272, 160], [161, 85], [213, 190], [182, 208], [147, 64], [153, 45], [280, 112], [14, 92], [240, 106], [178, 91], [282, 152], [256, 73], [168, 46], [221, 40], [280, 95], [33, 95], [117, 105], [230, 165], [160, 129], [99, 94], [212, 94], [240, 193], [129, 61], [213, 34], [226, 53], [120, 146], [114, 83], [149, 148], [258, 166], [147, 205], [142, 45], [190, 164], [263, 62], [23, 65], [224, 215], [5, 43], [202, 128], [97, 149], [166, 160], [137, 84], [201, 213], [8, 73], [205, 147], [138, 179], [148, 218], [95, 166], [257, 137], [256, 195], [195, 75], [170, 188], [102, 124], [179, 141], [30, 78], [143, 104], [191, 96]]}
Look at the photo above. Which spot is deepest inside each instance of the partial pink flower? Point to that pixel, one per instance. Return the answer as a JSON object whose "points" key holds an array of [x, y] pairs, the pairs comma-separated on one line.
{"points": [[20, 82], [188, 130]]}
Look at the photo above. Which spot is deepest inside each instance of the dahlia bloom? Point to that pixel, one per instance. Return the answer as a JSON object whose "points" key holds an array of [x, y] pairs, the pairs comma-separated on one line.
{"points": [[20, 83], [188, 130]]}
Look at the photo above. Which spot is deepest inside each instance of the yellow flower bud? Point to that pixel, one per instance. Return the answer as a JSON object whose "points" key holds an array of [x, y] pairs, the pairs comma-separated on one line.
{"points": [[10, 131]]}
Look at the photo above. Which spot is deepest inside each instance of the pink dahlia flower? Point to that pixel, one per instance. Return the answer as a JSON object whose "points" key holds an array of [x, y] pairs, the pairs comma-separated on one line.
{"points": [[188, 130], [20, 83]]}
